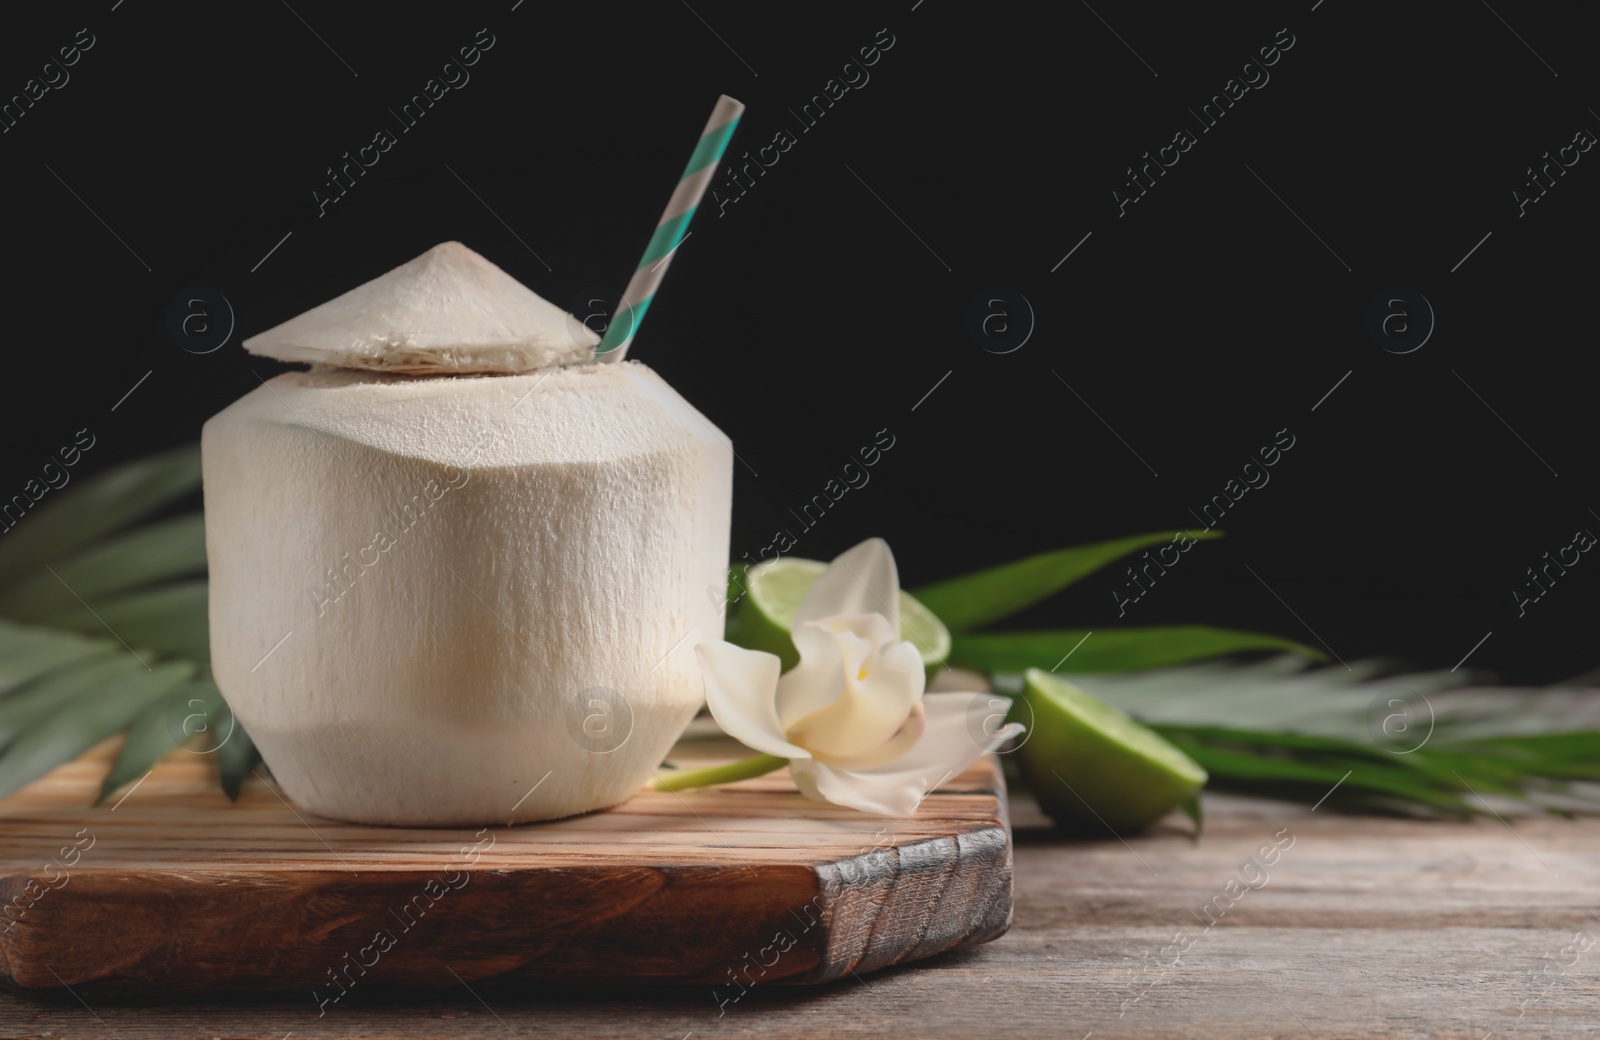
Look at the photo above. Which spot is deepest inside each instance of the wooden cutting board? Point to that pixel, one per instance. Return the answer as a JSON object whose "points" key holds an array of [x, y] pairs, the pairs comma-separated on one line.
{"points": [[175, 890]]}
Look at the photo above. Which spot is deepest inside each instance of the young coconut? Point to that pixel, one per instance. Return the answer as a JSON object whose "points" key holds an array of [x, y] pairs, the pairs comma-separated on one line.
{"points": [[468, 597]]}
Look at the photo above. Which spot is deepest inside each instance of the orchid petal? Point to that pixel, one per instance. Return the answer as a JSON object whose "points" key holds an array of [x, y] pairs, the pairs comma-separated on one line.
{"points": [[818, 679], [955, 738], [880, 693], [741, 686], [897, 788], [887, 797], [891, 750], [862, 580], [876, 629]]}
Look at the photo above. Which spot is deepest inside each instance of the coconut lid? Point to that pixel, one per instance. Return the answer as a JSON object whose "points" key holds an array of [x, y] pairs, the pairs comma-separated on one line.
{"points": [[448, 311]]}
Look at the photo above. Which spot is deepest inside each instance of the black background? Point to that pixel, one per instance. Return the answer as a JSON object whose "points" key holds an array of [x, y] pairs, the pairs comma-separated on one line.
{"points": [[824, 304]]}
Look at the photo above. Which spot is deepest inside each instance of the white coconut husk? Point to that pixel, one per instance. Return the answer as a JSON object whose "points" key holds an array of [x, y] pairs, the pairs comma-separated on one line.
{"points": [[454, 573], [449, 311], [466, 599]]}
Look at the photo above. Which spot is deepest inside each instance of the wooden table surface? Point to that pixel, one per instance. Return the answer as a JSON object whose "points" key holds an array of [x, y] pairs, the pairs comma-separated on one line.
{"points": [[750, 881], [1355, 927]]}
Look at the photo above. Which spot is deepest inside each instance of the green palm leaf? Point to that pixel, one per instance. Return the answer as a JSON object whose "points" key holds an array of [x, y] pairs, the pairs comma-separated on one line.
{"points": [[1281, 729], [189, 709], [102, 504], [1277, 694], [1245, 768], [978, 598], [1111, 649], [236, 758], [64, 689], [27, 653], [171, 620], [65, 734], [111, 630], [161, 551]]}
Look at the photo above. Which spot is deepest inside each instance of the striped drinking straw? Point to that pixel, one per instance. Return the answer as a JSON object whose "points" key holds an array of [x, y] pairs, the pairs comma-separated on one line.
{"points": [[685, 200]]}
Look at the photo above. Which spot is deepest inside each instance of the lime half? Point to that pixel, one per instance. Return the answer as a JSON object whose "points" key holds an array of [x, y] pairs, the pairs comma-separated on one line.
{"points": [[1093, 767], [773, 591]]}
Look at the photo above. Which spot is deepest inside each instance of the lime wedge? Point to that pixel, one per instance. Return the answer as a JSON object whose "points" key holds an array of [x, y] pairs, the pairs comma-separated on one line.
{"points": [[773, 591], [1092, 767]]}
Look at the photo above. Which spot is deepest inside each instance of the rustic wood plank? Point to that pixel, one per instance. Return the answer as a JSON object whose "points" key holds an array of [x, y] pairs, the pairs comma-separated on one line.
{"points": [[1366, 927], [171, 889]]}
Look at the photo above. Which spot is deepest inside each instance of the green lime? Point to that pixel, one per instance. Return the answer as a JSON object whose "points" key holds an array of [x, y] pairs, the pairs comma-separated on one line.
{"points": [[773, 591], [1093, 767]]}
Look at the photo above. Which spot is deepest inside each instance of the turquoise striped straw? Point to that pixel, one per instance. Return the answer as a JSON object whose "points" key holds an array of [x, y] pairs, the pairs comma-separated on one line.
{"points": [[670, 231]]}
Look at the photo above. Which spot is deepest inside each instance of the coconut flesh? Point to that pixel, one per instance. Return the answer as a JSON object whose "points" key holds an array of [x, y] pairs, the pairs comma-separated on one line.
{"points": [[469, 597]]}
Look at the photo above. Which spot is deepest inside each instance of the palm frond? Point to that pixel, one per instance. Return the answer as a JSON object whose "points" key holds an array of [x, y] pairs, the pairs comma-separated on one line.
{"points": [[96, 714], [1287, 693], [237, 757], [158, 552], [1378, 739], [100, 505], [973, 600], [170, 619], [189, 709], [28, 653], [103, 629], [63, 690], [1112, 649]]}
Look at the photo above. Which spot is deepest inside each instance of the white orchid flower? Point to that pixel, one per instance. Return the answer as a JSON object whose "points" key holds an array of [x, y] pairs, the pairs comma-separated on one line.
{"points": [[852, 719]]}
